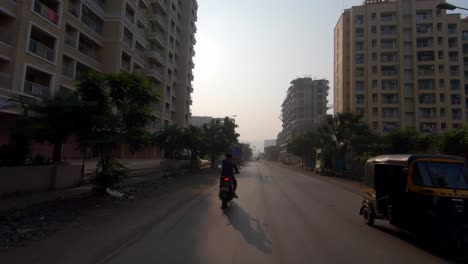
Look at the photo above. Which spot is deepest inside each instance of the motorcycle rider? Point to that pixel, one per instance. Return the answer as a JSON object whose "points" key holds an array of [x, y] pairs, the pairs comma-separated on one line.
{"points": [[228, 169]]}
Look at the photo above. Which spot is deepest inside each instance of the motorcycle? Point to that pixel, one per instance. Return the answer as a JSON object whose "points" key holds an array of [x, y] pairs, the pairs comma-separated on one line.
{"points": [[226, 193]]}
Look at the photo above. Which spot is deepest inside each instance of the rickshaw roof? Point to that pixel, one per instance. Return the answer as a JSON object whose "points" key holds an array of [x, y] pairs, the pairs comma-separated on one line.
{"points": [[406, 159]]}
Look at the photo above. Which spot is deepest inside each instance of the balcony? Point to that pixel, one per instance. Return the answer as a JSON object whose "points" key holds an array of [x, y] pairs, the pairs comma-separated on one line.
{"points": [[388, 30], [93, 23], [46, 12], [36, 89], [155, 73], [424, 29], [5, 81], [423, 15], [71, 41], [5, 36], [128, 39], [41, 50], [389, 72], [425, 44], [100, 3]]}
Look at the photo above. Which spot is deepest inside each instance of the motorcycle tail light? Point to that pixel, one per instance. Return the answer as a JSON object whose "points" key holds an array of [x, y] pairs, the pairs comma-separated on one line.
{"points": [[226, 179]]}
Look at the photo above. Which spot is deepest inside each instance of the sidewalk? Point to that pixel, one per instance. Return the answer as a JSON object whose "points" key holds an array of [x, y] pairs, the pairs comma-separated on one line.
{"points": [[138, 171]]}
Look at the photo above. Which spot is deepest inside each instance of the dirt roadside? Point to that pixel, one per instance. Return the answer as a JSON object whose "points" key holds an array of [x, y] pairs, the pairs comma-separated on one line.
{"points": [[88, 230]]}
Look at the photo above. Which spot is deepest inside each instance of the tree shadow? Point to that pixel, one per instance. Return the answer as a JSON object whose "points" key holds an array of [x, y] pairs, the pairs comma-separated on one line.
{"points": [[249, 227], [425, 244]]}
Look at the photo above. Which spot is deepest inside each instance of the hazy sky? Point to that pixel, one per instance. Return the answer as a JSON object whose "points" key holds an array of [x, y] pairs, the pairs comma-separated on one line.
{"points": [[248, 51]]}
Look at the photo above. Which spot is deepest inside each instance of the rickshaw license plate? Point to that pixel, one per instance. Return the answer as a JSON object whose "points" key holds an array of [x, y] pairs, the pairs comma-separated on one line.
{"points": [[225, 188]]}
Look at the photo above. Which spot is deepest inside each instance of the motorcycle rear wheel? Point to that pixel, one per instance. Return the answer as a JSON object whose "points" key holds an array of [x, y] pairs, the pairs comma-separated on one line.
{"points": [[224, 204]]}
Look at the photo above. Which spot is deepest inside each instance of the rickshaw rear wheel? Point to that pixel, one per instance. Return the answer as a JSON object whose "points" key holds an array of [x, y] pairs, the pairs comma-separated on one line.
{"points": [[368, 216]]}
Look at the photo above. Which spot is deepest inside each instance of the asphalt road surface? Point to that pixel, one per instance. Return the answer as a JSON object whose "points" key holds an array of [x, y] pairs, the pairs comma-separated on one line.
{"points": [[282, 216]]}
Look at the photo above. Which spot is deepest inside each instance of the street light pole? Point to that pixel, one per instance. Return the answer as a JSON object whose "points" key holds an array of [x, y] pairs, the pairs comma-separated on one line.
{"points": [[448, 6]]}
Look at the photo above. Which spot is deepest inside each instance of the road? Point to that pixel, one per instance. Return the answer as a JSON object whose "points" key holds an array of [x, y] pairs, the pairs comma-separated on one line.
{"points": [[282, 216]]}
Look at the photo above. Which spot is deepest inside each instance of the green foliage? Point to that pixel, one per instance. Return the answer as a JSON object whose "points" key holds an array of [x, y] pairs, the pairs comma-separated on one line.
{"points": [[117, 109], [56, 119], [272, 153], [247, 152], [218, 137], [454, 142]]}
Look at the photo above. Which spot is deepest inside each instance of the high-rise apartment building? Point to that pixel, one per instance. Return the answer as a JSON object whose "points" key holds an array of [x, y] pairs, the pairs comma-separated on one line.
{"points": [[402, 63], [45, 45], [304, 108]]}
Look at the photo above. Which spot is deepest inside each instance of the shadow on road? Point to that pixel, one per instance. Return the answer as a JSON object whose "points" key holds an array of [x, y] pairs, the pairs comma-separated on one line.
{"points": [[423, 244], [249, 227]]}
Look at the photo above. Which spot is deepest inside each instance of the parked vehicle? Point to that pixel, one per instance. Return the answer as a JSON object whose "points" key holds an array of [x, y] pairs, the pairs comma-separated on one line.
{"points": [[237, 156], [424, 194]]}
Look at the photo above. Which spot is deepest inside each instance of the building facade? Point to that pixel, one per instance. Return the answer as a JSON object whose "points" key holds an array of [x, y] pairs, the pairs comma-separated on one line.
{"points": [[304, 108], [46, 45], [402, 64]]}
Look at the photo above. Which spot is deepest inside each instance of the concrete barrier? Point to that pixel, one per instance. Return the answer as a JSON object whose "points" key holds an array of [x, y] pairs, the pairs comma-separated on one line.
{"points": [[28, 179]]}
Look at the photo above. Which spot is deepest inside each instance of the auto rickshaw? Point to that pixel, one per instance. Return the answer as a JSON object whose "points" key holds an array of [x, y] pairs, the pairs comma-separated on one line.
{"points": [[422, 194]]}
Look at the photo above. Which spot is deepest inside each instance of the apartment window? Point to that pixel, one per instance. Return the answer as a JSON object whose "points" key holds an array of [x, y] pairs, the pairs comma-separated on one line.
{"points": [[48, 10], [37, 83], [375, 125], [388, 30], [359, 99], [130, 13], [425, 55], [443, 126], [428, 127], [387, 17], [389, 70], [455, 85], [456, 114], [374, 30], [374, 43], [441, 55], [388, 43], [427, 84], [453, 56], [375, 84], [359, 45], [360, 72], [375, 98], [128, 37], [359, 58], [373, 16], [427, 113], [374, 70], [465, 35], [360, 111], [389, 113], [389, 85], [442, 98], [359, 32], [424, 42], [424, 70], [374, 56], [389, 57], [454, 70], [375, 112], [390, 126], [89, 48], [442, 112], [439, 27], [126, 61], [453, 43], [359, 20], [440, 42], [441, 69], [360, 86], [455, 99], [389, 98], [426, 98], [424, 28], [92, 20], [422, 15], [441, 84], [42, 44], [452, 28]]}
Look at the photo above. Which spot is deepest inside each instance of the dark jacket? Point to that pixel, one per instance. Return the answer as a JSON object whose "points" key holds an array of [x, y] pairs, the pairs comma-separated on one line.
{"points": [[229, 167]]}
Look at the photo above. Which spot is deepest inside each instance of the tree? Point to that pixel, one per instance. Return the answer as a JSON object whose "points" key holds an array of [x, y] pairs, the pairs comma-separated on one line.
{"points": [[57, 119], [454, 142], [272, 153], [247, 152], [171, 139], [117, 109], [305, 145], [218, 137]]}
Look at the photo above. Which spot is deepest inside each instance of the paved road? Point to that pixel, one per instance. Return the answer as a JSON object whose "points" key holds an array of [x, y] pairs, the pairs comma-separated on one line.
{"points": [[282, 216]]}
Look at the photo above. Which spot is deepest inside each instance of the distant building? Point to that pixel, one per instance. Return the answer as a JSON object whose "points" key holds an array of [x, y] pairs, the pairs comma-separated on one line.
{"points": [[402, 64], [304, 108], [269, 143]]}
